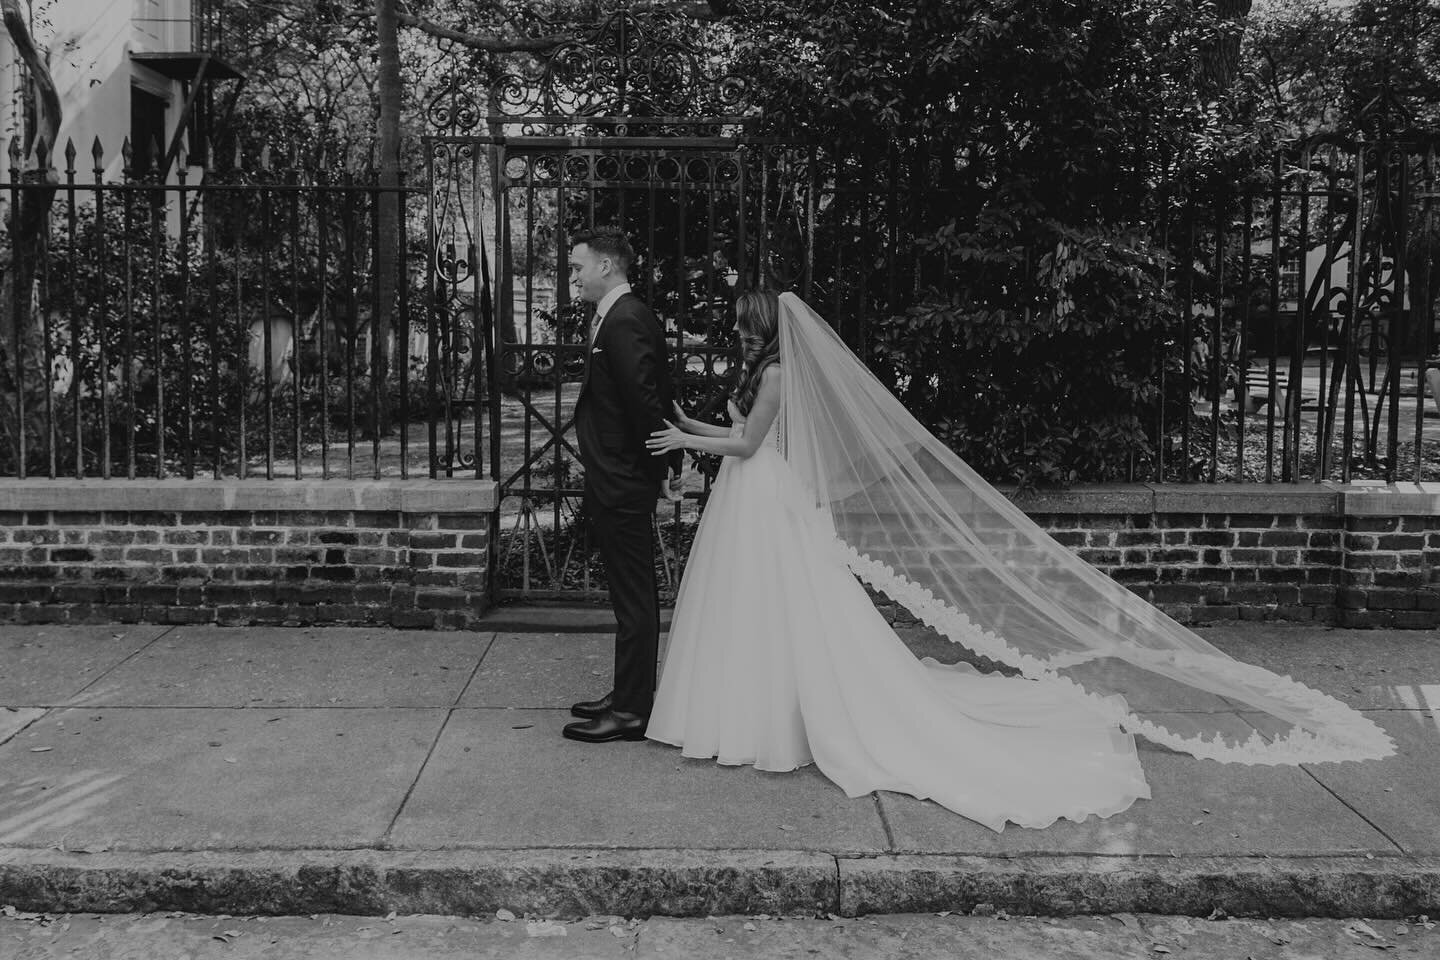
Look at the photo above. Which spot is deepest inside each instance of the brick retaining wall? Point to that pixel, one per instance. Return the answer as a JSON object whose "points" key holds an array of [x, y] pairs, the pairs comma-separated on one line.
{"points": [[415, 553], [410, 554]]}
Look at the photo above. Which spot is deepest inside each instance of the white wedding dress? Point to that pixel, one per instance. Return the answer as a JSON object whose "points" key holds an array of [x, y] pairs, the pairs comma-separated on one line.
{"points": [[778, 658]]}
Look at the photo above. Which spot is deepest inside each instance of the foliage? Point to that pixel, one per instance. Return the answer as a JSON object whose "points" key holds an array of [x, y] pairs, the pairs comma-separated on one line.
{"points": [[152, 339], [1313, 65], [130, 355], [1034, 191]]}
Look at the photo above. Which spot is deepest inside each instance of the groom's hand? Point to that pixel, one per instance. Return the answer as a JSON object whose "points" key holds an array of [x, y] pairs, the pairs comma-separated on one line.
{"points": [[670, 488]]}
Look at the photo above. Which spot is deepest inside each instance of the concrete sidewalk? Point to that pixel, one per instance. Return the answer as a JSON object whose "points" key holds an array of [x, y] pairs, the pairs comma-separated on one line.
{"points": [[295, 771]]}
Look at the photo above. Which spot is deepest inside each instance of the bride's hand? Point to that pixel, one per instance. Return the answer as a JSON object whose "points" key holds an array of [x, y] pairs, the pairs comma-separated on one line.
{"points": [[663, 441], [680, 416]]}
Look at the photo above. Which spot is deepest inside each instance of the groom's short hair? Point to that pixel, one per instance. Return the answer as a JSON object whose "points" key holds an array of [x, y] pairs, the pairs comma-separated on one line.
{"points": [[608, 242]]}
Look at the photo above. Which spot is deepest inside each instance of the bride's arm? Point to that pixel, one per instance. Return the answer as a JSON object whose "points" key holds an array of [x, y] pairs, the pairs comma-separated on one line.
{"points": [[698, 427], [757, 425]]}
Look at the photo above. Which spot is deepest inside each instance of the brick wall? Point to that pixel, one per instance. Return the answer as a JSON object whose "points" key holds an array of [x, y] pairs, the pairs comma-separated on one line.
{"points": [[1358, 555], [415, 553], [1201, 568], [411, 555]]}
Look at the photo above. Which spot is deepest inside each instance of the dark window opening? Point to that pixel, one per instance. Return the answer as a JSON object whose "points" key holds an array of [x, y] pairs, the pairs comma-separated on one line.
{"points": [[147, 131]]}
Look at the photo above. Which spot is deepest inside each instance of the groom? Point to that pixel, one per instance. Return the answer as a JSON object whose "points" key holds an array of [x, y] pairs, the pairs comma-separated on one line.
{"points": [[626, 395]]}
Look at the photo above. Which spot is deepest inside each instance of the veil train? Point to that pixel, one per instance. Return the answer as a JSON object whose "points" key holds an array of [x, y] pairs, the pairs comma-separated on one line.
{"points": [[914, 521]]}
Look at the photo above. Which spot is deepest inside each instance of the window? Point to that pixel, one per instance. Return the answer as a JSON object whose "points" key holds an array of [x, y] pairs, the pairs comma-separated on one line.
{"points": [[1290, 280], [147, 129]]}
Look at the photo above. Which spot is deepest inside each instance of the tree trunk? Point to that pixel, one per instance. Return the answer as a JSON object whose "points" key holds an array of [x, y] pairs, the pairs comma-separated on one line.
{"points": [[22, 396], [1220, 60], [387, 252]]}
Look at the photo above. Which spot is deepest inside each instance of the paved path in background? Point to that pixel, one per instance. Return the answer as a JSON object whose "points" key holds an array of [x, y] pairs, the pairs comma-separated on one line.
{"points": [[363, 770]]}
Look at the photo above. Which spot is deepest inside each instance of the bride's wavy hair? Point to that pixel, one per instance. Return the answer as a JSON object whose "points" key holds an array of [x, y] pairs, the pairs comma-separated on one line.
{"points": [[758, 312]]}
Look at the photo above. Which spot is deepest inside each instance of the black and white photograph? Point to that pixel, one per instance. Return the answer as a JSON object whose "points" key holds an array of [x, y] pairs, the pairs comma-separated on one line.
{"points": [[719, 479]]}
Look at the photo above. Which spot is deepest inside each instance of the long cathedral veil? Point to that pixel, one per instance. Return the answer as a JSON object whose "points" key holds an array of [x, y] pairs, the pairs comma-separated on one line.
{"points": [[914, 521]]}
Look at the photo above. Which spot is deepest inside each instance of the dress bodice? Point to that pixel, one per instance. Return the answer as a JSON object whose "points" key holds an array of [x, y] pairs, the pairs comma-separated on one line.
{"points": [[737, 426]]}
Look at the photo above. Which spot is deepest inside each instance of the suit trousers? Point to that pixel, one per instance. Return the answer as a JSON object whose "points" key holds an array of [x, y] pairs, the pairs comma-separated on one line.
{"points": [[626, 543]]}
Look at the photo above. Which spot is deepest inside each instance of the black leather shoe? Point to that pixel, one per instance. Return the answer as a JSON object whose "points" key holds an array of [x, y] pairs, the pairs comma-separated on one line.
{"points": [[590, 709], [610, 725]]}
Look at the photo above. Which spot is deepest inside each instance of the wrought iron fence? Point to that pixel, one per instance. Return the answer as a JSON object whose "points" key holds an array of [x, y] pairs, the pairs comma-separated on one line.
{"points": [[228, 323], [1309, 295]]}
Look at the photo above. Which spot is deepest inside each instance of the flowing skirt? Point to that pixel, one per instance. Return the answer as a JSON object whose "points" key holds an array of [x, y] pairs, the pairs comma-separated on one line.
{"points": [[778, 658]]}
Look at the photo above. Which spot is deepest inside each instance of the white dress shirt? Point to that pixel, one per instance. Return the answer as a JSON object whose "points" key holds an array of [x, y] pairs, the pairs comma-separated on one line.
{"points": [[603, 307]]}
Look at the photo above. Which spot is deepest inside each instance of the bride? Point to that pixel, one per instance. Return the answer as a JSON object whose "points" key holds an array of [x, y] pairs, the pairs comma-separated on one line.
{"points": [[778, 658]]}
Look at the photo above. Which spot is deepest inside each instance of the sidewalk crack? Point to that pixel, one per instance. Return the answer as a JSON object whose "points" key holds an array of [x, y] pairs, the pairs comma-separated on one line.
{"points": [[885, 824], [384, 841], [1352, 808], [489, 645], [118, 664]]}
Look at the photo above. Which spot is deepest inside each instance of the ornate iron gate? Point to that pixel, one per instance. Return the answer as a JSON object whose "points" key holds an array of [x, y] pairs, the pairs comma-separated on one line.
{"points": [[630, 128]]}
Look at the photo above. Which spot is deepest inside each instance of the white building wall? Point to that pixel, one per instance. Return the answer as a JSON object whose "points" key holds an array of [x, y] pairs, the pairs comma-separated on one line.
{"points": [[89, 43]]}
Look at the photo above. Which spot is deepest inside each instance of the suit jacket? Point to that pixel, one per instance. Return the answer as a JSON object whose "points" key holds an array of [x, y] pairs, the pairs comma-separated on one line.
{"points": [[624, 397]]}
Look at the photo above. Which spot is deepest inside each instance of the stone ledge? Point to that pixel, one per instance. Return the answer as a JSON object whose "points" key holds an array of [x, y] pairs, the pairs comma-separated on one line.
{"points": [[467, 495], [1391, 500], [1193, 886], [573, 882], [547, 882], [1116, 498], [457, 495], [1326, 498], [1288, 498]]}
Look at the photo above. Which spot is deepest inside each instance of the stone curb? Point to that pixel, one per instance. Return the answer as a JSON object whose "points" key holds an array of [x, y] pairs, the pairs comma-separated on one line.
{"points": [[556, 882]]}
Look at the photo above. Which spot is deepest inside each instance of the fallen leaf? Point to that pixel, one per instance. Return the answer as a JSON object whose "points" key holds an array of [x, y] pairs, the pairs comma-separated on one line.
{"points": [[1218, 914], [1159, 948], [619, 932], [505, 915], [521, 726], [545, 928], [41, 749], [783, 826], [750, 926], [1368, 935], [390, 916]]}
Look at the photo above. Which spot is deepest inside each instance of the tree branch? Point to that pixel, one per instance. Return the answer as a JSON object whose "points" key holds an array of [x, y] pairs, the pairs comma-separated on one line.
{"points": [[47, 120], [692, 9], [480, 42]]}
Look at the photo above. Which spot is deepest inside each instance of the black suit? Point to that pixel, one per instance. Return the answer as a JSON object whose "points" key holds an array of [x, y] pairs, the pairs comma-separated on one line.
{"points": [[625, 396]]}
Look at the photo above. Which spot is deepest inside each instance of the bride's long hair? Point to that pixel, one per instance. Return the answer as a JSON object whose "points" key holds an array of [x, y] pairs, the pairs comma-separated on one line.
{"points": [[758, 313]]}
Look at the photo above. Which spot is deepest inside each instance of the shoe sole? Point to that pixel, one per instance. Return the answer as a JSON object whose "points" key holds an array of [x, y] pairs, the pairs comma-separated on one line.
{"points": [[629, 735]]}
